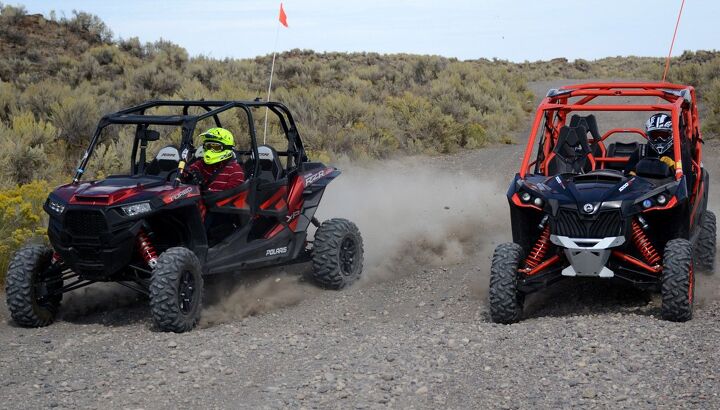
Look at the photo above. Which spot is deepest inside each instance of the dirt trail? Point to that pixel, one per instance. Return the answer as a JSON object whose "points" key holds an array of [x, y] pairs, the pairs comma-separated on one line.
{"points": [[414, 333]]}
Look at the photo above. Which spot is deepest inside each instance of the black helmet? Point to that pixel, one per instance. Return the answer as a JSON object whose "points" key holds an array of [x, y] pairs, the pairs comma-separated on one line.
{"points": [[659, 132]]}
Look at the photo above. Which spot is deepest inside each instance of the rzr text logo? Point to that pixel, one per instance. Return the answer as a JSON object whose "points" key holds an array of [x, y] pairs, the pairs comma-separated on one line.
{"points": [[314, 177], [181, 194]]}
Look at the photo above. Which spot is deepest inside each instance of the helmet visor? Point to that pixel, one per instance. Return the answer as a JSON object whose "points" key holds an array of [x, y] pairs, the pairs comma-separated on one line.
{"points": [[214, 146]]}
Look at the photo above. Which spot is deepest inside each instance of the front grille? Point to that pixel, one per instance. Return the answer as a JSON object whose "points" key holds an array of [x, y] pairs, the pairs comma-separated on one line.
{"points": [[570, 223], [86, 223]]}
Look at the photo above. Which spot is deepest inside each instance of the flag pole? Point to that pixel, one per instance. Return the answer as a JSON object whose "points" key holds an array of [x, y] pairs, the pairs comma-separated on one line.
{"points": [[272, 70]]}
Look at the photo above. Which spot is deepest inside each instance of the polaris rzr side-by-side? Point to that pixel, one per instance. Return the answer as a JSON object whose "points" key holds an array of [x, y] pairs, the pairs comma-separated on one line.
{"points": [[152, 230], [582, 206]]}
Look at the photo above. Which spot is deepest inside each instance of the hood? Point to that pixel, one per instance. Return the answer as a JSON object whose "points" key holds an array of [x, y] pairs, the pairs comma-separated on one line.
{"points": [[595, 188], [112, 190]]}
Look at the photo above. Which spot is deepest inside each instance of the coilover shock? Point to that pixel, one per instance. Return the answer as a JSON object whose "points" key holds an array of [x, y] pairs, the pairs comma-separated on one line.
{"points": [[642, 242], [147, 250], [538, 251]]}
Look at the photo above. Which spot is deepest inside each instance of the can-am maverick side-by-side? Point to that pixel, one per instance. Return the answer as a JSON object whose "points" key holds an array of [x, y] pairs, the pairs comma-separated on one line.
{"points": [[152, 232], [576, 211]]}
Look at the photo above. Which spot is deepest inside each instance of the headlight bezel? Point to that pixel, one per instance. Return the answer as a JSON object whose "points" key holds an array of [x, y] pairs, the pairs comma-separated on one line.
{"points": [[56, 206], [136, 209]]}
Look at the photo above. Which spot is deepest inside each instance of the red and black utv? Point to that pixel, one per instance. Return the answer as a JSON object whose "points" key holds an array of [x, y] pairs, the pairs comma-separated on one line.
{"points": [[577, 210], [159, 236]]}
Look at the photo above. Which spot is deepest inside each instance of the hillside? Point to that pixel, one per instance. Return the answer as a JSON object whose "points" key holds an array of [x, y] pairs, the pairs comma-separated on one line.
{"points": [[58, 76]]}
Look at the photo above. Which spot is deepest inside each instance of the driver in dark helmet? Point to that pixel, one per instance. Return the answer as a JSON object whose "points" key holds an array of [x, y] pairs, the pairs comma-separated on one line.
{"points": [[658, 129]]}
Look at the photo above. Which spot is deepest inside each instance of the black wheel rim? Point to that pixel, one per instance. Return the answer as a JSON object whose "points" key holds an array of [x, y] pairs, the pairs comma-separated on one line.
{"points": [[348, 255], [186, 292], [46, 284]]}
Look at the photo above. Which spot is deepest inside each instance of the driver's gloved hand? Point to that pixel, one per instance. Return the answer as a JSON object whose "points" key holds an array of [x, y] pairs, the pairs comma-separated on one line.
{"points": [[668, 161]]}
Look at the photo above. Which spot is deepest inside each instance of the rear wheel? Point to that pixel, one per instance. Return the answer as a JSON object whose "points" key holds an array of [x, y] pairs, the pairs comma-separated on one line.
{"points": [[337, 254], [506, 301], [31, 278], [678, 281], [704, 250], [176, 290]]}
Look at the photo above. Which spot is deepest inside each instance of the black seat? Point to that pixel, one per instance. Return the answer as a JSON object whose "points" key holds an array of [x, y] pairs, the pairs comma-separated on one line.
{"points": [[590, 123], [653, 168], [165, 162], [270, 168], [572, 153], [619, 150]]}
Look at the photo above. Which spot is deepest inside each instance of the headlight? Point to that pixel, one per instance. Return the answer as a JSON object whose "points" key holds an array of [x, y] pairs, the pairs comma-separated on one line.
{"points": [[647, 203], [525, 196], [661, 199], [136, 209], [538, 202], [56, 207]]}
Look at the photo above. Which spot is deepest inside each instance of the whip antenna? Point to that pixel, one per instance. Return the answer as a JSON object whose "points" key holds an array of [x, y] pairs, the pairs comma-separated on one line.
{"points": [[282, 19], [672, 43]]}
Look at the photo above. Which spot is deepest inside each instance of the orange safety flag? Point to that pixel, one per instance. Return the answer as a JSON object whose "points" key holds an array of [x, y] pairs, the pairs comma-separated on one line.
{"points": [[283, 16]]}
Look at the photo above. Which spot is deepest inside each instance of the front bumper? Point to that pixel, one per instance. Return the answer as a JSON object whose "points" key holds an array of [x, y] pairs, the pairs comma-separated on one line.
{"points": [[587, 257]]}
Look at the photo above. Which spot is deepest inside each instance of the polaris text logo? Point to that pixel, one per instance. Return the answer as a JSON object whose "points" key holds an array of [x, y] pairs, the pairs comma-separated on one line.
{"points": [[276, 251]]}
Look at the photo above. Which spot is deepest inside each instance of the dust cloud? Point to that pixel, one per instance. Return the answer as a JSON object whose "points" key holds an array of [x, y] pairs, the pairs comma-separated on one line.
{"points": [[416, 216], [411, 217], [229, 299]]}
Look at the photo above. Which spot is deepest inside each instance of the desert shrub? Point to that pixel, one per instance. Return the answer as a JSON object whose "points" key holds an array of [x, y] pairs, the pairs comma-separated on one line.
{"points": [[89, 25], [12, 14], [22, 149], [8, 100], [156, 80], [22, 219], [40, 97], [132, 46], [75, 116]]}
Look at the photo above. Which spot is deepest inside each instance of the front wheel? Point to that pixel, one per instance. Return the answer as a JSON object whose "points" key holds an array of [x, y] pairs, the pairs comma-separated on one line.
{"points": [[32, 286], [506, 301], [678, 282], [176, 290], [337, 254]]}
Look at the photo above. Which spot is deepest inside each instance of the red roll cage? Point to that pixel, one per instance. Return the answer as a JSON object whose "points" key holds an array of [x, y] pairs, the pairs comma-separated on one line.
{"points": [[679, 100]]}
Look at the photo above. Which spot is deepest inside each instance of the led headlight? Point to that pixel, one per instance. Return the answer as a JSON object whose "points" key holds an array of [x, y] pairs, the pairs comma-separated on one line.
{"points": [[538, 202], [136, 209], [661, 199], [647, 203], [525, 196], [56, 207]]}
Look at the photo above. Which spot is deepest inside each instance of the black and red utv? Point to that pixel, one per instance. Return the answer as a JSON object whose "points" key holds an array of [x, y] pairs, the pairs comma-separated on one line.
{"points": [[159, 236], [577, 210]]}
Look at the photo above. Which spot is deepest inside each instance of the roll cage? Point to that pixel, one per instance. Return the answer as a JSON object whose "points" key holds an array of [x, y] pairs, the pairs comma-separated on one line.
{"points": [[137, 116], [679, 100]]}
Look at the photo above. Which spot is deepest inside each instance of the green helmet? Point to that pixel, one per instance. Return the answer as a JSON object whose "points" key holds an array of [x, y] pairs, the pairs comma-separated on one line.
{"points": [[217, 145]]}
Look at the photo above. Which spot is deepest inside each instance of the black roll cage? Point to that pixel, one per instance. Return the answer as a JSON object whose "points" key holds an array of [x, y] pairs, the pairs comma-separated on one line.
{"points": [[136, 116]]}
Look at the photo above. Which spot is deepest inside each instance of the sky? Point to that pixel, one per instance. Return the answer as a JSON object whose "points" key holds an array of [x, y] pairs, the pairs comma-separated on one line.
{"points": [[515, 30]]}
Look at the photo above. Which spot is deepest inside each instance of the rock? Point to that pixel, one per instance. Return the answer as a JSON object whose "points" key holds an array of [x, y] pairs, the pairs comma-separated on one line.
{"points": [[172, 344], [422, 390], [206, 354], [438, 315]]}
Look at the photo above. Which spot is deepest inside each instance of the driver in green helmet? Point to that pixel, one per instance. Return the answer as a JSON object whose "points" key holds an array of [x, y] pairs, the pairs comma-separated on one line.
{"points": [[218, 170]]}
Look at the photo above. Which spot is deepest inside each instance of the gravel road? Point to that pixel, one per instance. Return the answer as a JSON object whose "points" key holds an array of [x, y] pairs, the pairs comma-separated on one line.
{"points": [[415, 333]]}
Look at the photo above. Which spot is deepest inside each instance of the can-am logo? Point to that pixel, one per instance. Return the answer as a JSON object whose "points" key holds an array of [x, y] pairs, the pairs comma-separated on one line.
{"points": [[588, 208], [276, 251]]}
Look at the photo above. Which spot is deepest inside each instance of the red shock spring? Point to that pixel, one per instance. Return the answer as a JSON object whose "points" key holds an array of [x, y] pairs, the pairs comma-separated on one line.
{"points": [[147, 250], [642, 242], [537, 253]]}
